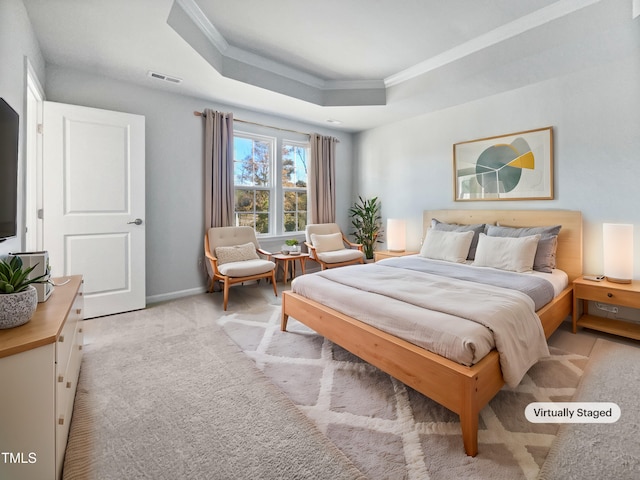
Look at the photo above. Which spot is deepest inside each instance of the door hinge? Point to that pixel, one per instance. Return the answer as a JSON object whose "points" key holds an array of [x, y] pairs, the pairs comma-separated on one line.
{"points": [[40, 128], [40, 213]]}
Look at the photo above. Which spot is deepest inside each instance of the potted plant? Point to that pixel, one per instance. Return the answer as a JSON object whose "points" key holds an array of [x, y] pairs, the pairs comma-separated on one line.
{"points": [[365, 215], [18, 298], [291, 247]]}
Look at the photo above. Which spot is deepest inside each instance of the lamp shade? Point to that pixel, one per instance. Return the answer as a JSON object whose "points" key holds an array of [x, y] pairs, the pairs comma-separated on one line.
{"points": [[617, 243], [396, 234]]}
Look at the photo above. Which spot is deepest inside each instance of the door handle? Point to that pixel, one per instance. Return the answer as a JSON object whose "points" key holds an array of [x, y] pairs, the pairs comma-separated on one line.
{"points": [[137, 221]]}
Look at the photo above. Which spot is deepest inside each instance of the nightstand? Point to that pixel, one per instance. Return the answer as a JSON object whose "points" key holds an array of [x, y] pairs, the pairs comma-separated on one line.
{"points": [[284, 260], [622, 294], [389, 254]]}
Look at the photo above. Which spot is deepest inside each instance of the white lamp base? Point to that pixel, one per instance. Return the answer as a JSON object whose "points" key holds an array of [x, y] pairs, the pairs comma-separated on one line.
{"points": [[617, 280]]}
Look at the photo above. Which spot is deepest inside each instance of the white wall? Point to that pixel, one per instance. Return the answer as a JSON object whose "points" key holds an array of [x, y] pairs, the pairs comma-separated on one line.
{"points": [[17, 43], [596, 118], [174, 168]]}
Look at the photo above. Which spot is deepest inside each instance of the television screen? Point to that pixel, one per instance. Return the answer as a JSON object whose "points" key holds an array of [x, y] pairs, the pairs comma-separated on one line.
{"points": [[9, 128]]}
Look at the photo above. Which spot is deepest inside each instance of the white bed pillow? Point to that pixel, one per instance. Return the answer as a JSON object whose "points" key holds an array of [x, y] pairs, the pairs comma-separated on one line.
{"points": [[327, 243], [236, 253], [545, 260], [455, 227], [507, 253], [448, 246]]}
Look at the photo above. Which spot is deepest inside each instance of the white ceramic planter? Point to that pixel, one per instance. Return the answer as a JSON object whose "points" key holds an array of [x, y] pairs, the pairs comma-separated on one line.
{"points": [[17, 308]]}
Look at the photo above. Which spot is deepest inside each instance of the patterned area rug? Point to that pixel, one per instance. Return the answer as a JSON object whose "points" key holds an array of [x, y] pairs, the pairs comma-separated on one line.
{"points": [[388, 430]]}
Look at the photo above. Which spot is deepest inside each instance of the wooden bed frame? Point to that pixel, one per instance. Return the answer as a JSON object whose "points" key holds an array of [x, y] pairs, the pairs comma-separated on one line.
{"points": [[463, 390]]}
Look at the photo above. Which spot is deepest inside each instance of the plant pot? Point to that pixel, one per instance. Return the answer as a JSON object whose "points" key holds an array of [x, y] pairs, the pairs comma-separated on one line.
{"points": [[17, 308], [294, 250], [285, 249]]}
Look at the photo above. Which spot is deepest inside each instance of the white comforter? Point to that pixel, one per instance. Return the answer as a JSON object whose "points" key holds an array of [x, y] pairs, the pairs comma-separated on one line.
{"points": [[457, 319]]}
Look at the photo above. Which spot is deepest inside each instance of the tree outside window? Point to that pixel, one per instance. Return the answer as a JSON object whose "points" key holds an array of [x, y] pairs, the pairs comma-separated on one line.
{"points": [[252, 179], [294, 187], [270, 204]]}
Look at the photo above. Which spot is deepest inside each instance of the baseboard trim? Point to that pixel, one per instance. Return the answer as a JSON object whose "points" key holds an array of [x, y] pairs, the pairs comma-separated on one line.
{"points": [[163, 297]]}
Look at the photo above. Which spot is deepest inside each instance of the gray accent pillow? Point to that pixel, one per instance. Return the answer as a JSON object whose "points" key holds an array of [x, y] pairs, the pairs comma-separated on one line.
{"points": [[545, 259], [456, 227]]}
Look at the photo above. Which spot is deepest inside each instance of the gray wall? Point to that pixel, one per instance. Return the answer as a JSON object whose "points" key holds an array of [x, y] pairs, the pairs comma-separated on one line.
{"points": [[17, 43], [596, 118], [408, 164], [174, 169]]}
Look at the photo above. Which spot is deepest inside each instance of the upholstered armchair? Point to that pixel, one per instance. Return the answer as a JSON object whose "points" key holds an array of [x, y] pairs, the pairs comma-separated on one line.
{"points": [[330, 248], [233, 254]]}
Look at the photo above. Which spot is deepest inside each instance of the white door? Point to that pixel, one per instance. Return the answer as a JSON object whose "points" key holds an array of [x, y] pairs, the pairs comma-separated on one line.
{"points": [[94, 201]]}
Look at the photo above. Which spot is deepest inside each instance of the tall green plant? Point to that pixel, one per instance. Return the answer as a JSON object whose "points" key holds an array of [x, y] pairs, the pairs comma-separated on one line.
{"points": [[365, 215]]}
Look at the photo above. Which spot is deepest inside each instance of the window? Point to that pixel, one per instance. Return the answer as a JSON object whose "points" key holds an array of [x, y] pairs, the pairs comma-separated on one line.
{"points": [[271, 204], [252, 167], [294, 186]]}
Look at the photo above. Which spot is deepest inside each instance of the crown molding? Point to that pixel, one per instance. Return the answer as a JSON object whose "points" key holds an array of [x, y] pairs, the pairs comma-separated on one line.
{"points": [[494, 37], [241, 65]]}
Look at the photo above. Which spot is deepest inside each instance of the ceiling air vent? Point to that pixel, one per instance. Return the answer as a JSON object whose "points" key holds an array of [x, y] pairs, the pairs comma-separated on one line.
{"points": [[162, 76]]}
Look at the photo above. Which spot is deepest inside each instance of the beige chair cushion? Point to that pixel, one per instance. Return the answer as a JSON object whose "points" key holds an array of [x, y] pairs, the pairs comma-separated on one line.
{"points": [[230, 236], [338, 256], [236, 253], [320, 229], [327, 243], [246, 268]]}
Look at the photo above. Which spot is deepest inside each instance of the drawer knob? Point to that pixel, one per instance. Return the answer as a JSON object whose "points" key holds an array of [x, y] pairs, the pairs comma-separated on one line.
{"points": [[60, 378], [61, 339], [610, 295], [68, 384], [61, 420], [78, 311]]}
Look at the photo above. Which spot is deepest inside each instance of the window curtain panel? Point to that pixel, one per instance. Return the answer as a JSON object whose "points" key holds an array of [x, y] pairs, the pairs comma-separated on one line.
{"points": [[218, 160], [322, 179]]}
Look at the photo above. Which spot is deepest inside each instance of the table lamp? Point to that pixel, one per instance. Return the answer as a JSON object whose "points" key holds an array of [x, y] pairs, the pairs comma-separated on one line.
{"points": [[396, 234], [617, 242]]}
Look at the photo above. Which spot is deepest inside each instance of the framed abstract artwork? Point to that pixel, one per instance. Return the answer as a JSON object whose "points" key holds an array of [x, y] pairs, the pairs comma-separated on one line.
{"points": [[517, 166]]}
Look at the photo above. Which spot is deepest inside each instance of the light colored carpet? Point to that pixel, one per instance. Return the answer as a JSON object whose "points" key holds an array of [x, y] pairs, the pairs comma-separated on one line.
{"points": [[602, 451], [390, 431], [165, 394]]}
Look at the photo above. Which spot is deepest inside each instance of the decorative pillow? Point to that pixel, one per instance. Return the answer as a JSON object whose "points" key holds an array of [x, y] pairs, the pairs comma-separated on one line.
{"points": [[327, 243], [448, 246], [507, 253], [545, 259], [236, 253], [455, 227]]}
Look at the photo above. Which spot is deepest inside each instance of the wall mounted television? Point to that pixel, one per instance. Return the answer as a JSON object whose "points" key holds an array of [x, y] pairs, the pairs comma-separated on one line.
{"points": [[9, 132]]}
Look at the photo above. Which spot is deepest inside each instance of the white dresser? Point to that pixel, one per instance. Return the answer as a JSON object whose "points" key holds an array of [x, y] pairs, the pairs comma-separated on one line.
{"points": [[39, 368]]}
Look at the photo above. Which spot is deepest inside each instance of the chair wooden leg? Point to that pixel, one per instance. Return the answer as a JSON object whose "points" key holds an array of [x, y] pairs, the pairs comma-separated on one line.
{"points": [[226, 294], [273, 281]]}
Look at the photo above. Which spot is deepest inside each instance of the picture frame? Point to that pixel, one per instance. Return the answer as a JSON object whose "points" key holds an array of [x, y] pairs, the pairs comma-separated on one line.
{"points": [[516, 166]]}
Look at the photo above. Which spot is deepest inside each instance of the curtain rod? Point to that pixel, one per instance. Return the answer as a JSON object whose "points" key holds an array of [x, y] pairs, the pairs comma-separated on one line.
{"points": [[201, 114]]}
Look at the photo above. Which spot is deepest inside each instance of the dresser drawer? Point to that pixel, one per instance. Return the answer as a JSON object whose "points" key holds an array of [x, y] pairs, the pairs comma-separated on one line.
{"points": [[66, 338], [64, 343], [66, 384], [598, 293]]}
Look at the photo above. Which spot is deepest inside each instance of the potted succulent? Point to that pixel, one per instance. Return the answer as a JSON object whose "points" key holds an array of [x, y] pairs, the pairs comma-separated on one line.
{"points": [[365, 216], [18, 298], [291, 247]]}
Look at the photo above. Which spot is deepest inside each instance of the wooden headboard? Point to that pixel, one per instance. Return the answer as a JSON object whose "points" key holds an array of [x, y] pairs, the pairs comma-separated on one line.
{"points": [[569, 253]]}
